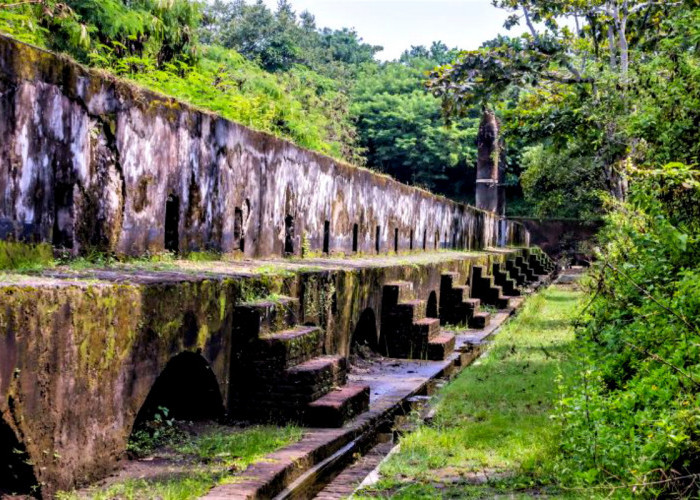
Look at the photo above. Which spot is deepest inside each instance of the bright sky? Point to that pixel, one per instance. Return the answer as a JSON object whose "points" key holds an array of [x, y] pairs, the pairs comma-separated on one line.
{"points": [[398, 24]]}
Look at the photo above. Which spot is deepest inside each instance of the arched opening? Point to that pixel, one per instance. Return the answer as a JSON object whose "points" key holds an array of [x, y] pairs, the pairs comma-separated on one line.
{"points": [[396, 239], [326, 237], [432, 310], [365, 341], [16, 474], [410, 241], [377, 235], [289, 235], [355, 233], [187, 388], [238, 229], [172, 224], [425, 238], [63, 215]]}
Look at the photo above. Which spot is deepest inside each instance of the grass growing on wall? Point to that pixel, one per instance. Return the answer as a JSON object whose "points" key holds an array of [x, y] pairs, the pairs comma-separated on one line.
{"points": [[24, 257], [493, 422]]}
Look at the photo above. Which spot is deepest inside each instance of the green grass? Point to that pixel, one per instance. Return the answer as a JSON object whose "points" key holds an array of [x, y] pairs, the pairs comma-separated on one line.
{"points": [[212, 458], [495, 417], [25, 257]]}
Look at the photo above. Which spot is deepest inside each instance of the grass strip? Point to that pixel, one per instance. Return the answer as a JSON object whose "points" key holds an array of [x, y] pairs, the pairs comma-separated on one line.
{"points": [[492, 433]]}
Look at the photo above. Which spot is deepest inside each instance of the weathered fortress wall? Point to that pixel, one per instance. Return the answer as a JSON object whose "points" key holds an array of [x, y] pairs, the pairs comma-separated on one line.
{"points": [[89, 161]]}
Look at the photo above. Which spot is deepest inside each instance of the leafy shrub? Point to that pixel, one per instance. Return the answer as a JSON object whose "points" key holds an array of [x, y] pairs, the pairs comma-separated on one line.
{"points": [[632, 415]]}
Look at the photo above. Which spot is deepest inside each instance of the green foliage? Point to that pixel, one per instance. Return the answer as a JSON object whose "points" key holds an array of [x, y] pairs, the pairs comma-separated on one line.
{"points": [[561, 184], [212, 457], [153, 434], [632, 415], [401, 128], [24, 256], [280, 40]]}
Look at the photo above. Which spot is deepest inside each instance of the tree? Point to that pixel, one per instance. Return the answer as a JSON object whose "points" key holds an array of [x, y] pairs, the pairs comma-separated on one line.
{"points": [[401, 128]]}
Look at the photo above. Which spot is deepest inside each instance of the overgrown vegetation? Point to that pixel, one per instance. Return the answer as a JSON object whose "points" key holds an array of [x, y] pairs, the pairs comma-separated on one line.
{"points": [[631, 416], [24, 256], [208, 458], [492, 423]]}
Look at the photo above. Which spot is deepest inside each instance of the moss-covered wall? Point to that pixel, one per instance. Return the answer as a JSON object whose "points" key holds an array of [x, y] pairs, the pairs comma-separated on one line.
{"points": [[89, 162], [77, 360]]}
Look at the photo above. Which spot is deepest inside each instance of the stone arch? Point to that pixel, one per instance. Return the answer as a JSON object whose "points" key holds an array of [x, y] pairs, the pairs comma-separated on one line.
{"points": [[16, 474], [365, 335], [172, 224], [431, 310], [188, 388]]}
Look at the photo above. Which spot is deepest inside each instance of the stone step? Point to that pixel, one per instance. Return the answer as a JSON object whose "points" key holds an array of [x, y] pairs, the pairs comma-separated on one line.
{"points": [[441, 346], [323, 372], [427, 328], [338, 406], [480, 320], [253, 319], [502, 279], [473, 303], [282, 350], [449, 280], [409, 311], [397, 291], [459, 293], [516, 273]]}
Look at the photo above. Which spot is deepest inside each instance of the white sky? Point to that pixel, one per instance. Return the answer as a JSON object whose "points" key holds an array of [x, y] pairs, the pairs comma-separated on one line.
{"points": [[398, 24]]}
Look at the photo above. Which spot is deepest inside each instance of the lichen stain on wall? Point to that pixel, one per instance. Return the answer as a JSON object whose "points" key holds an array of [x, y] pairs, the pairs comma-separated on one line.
{"points": [[80, 145]]}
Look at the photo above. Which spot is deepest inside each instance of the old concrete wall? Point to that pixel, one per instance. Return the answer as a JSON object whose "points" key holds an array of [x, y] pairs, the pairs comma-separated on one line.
{"points": [[79, 354], [88, 162]]}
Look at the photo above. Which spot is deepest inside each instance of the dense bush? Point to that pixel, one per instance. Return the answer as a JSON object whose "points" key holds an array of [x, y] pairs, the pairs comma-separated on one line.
{"points": [[632, 414]]}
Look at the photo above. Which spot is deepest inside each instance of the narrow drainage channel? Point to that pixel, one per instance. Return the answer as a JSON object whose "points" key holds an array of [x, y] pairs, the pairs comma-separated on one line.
{"points": [[339, 475]]}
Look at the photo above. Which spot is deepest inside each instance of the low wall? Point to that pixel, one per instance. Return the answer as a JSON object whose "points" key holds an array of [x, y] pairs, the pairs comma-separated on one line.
{"points": [[79, 354], [88, 161]]}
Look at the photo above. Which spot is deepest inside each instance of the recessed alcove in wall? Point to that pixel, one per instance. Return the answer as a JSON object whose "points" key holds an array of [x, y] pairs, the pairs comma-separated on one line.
{"points": [[16, 473], [355, 234], [187, 388], [172, 224], [431, 310], [289, 235], [377, 235], [326, 237], [396, 239], [364, 338], [238, 229], [62, 236]]}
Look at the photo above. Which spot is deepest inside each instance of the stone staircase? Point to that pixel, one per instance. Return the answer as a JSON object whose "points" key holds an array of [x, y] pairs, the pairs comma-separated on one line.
{"points": [[540, 263], [529, 273], [280, 374], [406, 332], [456, 305], [484, 287], [516, 273], [502, 278]]}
